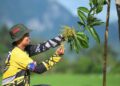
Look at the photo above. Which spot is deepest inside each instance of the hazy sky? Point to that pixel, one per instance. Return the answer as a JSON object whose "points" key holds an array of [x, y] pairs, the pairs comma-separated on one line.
{"points": [[72, 6]]}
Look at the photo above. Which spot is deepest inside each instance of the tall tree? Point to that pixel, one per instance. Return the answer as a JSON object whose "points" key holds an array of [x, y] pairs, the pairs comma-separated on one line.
{"points": [[118, 11], [106, 43]]}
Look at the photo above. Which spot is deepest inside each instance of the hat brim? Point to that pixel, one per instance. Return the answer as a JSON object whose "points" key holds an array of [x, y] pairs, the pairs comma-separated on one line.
{"points": [[21, 36]]}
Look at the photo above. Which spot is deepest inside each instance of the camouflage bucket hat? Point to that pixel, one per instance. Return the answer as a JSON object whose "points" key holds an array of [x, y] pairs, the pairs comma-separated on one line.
{"points": [[18, 31]]}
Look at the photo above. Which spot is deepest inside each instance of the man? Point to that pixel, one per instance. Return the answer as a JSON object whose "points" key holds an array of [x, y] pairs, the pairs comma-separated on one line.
{"points": [[118, 12], [19, 64]]}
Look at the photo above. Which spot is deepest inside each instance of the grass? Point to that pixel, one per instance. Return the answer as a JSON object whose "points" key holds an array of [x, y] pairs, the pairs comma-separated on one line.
{"points": [[74, 80], [0, 79]]}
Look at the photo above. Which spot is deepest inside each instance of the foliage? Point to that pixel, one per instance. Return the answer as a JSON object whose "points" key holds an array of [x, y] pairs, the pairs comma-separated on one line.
{"points": [[88, 21], [76, 39]]}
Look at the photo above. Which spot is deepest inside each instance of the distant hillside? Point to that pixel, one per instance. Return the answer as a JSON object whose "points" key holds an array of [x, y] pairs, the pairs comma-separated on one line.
{"points": [[45, 18]]}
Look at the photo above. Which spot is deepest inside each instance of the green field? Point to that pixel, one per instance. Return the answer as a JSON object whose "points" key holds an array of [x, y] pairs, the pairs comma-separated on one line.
{"points": [[74, 80]]}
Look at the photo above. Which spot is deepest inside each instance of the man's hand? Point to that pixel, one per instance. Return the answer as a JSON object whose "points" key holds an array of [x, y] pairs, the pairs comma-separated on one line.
{"points": [[60, 51]]}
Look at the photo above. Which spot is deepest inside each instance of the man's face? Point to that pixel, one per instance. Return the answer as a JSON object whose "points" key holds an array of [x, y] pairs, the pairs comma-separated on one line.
{"points": [[25, 40]]}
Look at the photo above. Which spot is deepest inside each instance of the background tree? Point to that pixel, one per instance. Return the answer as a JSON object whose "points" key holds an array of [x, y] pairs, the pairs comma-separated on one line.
{"points": [[106, 44]]}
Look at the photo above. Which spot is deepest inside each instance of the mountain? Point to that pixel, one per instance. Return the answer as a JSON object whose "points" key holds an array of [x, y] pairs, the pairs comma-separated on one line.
{"points": [[44, 17]]}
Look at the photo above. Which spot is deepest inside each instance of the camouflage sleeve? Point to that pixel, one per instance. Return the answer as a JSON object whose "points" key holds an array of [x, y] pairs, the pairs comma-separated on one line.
{"points": [[36, 49], [37, 68]]}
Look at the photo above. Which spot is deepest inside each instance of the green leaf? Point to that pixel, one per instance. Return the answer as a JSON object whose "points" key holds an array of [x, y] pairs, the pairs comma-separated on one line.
{"points": [[96, 23], [99, 8], [83, 9], [83, 39], [94, 34], [81, 35], [95, 2], [90, 19], [104, 2], [81, 24], [83, 42], [93, 21], [90, 3], [77, 43], [82, 17]]}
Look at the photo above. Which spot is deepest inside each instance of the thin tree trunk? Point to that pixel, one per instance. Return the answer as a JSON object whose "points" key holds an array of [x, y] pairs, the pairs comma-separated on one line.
{"points": [[118, 12], [106, 45]]}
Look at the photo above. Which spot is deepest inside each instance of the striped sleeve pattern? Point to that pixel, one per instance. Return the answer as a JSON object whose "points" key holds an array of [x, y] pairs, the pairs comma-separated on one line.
{"points": [[35, 49]]}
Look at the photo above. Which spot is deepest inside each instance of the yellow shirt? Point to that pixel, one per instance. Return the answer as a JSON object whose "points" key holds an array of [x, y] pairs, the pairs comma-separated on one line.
{"points": [[17, 61]]}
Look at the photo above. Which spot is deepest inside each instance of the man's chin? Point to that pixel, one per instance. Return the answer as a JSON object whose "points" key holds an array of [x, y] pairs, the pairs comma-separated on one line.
{"points": [[27, 44]]}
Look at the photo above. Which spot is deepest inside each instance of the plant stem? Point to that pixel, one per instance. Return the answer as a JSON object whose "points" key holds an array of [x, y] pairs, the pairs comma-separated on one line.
{"points": [[106, 44]]}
